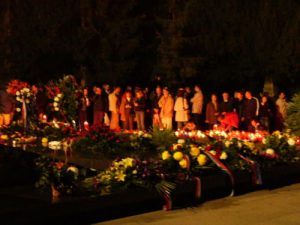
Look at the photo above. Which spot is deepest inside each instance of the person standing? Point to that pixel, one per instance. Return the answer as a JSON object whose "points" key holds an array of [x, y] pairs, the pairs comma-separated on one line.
{"points": [[84, 105], [212, 112], [265, 113], [139, 108], [197, 105], [127, 111], [166, 104], [100, 106], [114, 108], [181, 109], [239, 105], [6, 108], [281, 106], [226, 105], [154, 98], [251, 109]]}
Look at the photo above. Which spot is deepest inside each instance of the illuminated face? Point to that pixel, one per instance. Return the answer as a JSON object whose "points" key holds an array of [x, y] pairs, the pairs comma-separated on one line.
{"points": [[98, 91], [165, 92], [118, 90], [214, 98], [239, 95], [128, 94], [225, 96], [264, 99], [85, 92], [281, 95], [248, 95], [158, 91]]}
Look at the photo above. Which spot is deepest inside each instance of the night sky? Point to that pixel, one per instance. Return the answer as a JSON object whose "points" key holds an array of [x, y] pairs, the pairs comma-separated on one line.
{"points": [[223, 45]]}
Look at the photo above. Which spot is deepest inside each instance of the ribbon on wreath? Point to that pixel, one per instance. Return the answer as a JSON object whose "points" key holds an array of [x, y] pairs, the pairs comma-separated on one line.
{"points": [[222, 167], [198, 191], [24, 113], [168, 202], [255, 168]]}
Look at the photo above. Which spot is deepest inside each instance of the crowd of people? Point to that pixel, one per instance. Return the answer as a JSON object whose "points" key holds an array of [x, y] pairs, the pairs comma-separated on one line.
{"points": [[140, 109]]}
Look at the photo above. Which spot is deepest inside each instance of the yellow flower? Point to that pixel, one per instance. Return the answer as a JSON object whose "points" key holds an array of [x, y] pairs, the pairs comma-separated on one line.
{"points": [[270, 151], [165, 155], [181, 141], [4, 137], [291, 142], [277, 133], [178, 156], [194, 151], [223, 156], [44, 140], [127, 162], [202, 159], [250, 145], [18, 109], [183, 163], [120, 176], [176, 146]]}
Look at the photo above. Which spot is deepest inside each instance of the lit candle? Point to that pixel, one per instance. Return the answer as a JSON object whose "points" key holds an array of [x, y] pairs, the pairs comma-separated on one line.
{"points": [[176, 133], [44, 118], [86, 125]]}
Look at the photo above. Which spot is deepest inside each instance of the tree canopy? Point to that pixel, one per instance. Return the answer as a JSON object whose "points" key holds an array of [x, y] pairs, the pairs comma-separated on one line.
{"points": [[219, 44]]}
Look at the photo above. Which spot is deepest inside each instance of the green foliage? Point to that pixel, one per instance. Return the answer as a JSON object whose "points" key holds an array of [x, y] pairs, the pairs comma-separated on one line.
{"points": [[58, 174], [293, 114], [163, 139], [111, 145]]}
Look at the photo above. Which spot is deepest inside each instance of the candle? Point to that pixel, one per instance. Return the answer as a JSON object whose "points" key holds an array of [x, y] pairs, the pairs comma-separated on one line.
{"points": [[44, 119], [176, 133], [86, 125]]}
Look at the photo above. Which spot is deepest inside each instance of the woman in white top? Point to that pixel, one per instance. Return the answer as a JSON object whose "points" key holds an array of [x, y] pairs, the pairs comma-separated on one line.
{"points": [[181, 109]]}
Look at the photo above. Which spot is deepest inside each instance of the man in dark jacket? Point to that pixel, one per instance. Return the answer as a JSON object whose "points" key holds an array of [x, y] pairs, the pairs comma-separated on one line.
{"points": [[100, 107], [251, 109], [226, 105]]}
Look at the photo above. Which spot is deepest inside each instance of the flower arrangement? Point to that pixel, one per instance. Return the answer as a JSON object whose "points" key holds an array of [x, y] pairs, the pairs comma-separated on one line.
{"points": [[63, 96], [16, 85], [275, 148], [58, 175], [128, 173]]}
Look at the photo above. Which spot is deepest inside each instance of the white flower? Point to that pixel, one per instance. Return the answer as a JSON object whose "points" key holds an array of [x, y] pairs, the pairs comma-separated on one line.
{"points": [[270, 151], [224, 156], [54, 145], [264, 141], [73, 169], [19, 99], [291, 142], [56, 109], [55, 104], [26, 89], [56, 99], [181, 141], [18, 109], [59, 95], [17, 93], [27, 101], [213, 152]]}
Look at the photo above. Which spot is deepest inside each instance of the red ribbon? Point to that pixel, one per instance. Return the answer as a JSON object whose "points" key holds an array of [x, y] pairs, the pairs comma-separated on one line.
{"points": [[222, 167], [256, 176], [198, 191], [168, 200]]}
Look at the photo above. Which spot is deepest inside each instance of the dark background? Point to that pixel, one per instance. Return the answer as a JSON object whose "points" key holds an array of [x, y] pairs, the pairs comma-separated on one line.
{"points": [[223, 45]]}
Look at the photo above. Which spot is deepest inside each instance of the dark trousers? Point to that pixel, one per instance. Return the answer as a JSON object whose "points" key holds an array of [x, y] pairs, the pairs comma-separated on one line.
{"points": [[197, 120], [128, 123], [98, 118], [140, 119]]}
